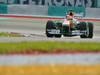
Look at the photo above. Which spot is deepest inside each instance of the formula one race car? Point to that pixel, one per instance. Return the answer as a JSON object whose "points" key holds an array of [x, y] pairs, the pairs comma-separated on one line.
{"points": [[68, 28]]}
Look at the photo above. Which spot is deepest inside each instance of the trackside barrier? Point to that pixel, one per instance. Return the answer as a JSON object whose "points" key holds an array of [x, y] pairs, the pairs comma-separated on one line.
{"points": [[61, 10], [3, 8], [43, 10], [27, 9], [45, 17]]}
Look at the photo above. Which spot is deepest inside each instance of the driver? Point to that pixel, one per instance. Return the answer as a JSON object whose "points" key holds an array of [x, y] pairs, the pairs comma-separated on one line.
{"points": [[70, 16]]}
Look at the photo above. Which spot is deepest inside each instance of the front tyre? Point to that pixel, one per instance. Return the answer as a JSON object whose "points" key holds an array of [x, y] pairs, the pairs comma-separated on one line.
{"points": [[90, 30], [58, 35], [83, 27], [88, 27], [49, 25]]}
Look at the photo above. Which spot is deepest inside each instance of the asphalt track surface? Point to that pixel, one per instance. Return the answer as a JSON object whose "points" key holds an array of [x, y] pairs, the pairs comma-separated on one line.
{"points": [[34, 30]]}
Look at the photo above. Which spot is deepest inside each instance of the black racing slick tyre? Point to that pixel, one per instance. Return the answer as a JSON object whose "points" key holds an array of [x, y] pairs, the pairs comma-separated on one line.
{"points": [[88, 27], [83, 28], [58, 35], [49, 25], [90, 30]]}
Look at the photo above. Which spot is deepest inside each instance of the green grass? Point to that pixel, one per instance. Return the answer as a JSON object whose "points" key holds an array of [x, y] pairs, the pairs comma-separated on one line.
{"points": [[48, 46], [5, 34]]}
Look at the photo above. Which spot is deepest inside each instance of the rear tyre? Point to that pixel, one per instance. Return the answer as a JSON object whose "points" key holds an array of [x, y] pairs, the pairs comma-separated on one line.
{"points": [[83, 27], [58, 35], [88, 27], [90, 30], [49, 25]]}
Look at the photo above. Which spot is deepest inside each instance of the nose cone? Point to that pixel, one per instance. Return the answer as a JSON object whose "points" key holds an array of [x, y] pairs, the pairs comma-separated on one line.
{"points": [[66, 22]]}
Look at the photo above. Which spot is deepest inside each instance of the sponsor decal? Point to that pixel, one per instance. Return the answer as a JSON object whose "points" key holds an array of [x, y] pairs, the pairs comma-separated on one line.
{"points": [[84, 3], [81, 3]]}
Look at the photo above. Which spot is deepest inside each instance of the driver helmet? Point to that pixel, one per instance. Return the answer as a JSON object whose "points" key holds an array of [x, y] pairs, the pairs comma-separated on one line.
{"points": [[70, 14]]}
